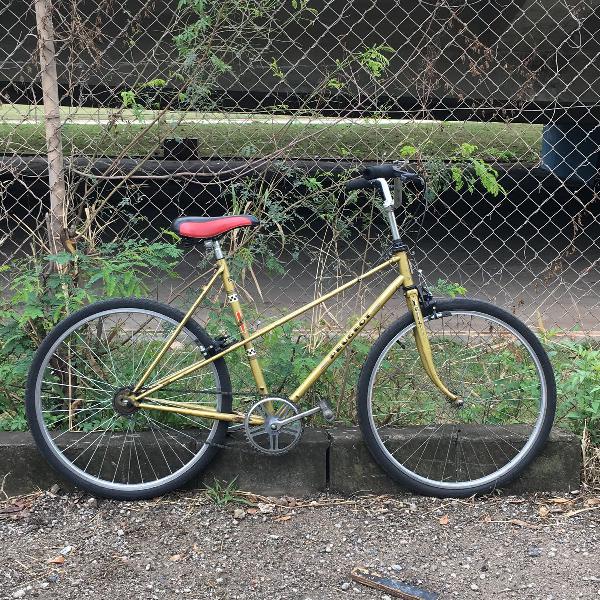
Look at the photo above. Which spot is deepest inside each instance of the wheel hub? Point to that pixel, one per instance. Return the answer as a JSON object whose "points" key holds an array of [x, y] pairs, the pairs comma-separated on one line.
{"points": [[122, 402]]}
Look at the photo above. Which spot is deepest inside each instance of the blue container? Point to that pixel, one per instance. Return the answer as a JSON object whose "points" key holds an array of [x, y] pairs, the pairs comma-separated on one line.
{"points": [[570, 149]]}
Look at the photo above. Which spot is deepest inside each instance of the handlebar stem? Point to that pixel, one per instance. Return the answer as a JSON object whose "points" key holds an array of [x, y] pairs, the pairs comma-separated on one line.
{"points": [[388, 207], [385, 192]]}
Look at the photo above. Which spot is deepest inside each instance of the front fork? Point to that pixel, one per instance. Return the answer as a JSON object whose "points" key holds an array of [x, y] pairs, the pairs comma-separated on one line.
{"points": [[421, 338]]}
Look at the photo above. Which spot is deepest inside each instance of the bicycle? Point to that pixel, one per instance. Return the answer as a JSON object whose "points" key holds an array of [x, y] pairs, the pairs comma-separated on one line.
{"points": [[130, 398]]}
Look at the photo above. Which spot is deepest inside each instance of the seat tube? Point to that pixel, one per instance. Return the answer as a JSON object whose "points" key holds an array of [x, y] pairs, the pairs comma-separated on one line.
{"points": [[233, 300]]}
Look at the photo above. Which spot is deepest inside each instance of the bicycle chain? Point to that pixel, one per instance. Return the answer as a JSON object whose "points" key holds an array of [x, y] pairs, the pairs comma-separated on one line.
{"points": [[250, 396]]}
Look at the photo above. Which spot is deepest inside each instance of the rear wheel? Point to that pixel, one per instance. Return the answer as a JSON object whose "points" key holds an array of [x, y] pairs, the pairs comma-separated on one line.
{"points": [[426, 442], [77, 408]]}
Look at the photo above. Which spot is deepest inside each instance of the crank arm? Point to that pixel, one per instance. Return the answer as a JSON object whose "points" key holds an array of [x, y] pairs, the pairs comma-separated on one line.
{"points": [[299, 416]]}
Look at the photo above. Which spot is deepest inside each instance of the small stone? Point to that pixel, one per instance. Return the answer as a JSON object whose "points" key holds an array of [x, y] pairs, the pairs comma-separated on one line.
{"points": [[345, 586], [239, 514], [219, 580], [534, 551], [386, 597], [328, 548], [92, 502], [120, 532], [18, 594], [53, 490], [66, 550], [396, 567], [474, 587], [265, 509]]}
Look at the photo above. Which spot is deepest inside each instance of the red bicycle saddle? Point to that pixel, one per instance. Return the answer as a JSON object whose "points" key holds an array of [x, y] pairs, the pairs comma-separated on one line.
{"points": [[211, 227]]}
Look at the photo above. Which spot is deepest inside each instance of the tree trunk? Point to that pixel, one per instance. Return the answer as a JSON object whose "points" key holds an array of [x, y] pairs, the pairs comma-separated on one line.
{"points": [[57, 218]]}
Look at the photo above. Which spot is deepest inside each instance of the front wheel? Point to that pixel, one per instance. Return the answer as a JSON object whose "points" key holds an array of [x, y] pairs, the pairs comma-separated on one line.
{"points": [[76, 400], [428, 443]]}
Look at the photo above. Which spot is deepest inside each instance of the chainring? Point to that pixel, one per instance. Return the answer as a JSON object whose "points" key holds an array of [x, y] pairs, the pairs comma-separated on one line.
{"points": [[270, 437]]}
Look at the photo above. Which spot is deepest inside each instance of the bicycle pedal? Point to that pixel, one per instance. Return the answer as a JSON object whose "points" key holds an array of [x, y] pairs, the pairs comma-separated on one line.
{"points": [[326, 410]]}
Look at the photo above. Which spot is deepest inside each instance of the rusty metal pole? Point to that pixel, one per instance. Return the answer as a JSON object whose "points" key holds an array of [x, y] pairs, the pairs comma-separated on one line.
{"points": [[57, 224]]}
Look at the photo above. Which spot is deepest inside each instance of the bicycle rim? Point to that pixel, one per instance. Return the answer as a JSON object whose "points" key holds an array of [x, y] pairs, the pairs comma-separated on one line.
{"points": [[433, 442], [94, 439]]}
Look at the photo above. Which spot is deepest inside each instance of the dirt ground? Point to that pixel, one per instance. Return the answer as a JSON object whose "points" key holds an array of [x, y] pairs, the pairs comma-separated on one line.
{"points": [[184, 546]]}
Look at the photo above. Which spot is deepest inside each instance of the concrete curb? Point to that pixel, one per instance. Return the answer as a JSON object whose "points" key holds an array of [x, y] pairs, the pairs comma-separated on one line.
{"points": [[333, 459], [556, 469]]}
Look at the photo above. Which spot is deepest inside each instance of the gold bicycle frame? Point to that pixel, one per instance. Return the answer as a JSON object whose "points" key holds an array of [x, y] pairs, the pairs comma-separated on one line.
{"points": [[404, 280]]}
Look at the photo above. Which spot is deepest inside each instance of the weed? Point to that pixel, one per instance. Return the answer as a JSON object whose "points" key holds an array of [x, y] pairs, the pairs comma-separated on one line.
{"points": [[222, 493]]}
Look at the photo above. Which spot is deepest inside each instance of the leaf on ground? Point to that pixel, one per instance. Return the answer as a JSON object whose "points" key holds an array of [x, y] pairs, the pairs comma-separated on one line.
{"points": [[561, 501], [252, 511], [175, 557], [544, 511], [486, 518], [57, 560], [572, 513], [592, 502], [444, 520], [521, 523], [9, 510], [282, 518], [18, 509]]}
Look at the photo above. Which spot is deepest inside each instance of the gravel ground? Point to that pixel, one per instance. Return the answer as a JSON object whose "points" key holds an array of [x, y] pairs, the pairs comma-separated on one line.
{"points": [[184, 546]]}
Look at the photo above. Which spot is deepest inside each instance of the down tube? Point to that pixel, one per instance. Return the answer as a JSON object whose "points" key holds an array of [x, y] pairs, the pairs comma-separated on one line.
{"points": [[347, 338]]}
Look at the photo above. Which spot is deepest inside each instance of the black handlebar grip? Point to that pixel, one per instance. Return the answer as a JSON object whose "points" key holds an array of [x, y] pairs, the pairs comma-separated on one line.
{"points": [[384, 171], [360, 183], [393, 172]]}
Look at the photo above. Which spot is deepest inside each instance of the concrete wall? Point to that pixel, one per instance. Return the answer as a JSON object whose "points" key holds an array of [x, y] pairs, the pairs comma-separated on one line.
{"points": [[490, 51]]}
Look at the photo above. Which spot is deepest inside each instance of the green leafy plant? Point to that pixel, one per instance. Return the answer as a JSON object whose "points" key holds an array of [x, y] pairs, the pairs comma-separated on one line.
{"points": [[504, 155], [276, 69], [334, 83], [468, 170], [222, 493], [577, 367], [374, 59], [443, 287], [41, 297]]}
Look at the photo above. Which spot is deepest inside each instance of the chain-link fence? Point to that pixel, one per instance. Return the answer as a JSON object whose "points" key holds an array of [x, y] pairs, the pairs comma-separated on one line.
{"points": [[208, 108]]}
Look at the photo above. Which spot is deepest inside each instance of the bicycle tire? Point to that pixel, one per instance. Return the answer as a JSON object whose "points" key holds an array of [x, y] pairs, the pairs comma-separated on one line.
{"points": [[389, 458], [120, 491]]}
